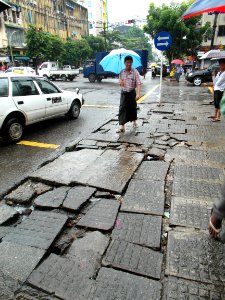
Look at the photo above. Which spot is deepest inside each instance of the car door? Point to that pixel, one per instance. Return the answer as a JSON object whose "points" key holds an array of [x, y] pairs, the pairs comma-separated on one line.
{"points": [[28, 99], [55, 100]]}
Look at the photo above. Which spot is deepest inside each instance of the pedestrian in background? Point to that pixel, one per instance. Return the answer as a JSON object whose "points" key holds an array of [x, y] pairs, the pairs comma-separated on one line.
{"points": [[153, 72], [129, 80], [178, 73], [219, 87]]}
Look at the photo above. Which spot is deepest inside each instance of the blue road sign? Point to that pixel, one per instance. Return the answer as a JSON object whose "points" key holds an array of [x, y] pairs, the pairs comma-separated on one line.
{"points": [[163, 41]]}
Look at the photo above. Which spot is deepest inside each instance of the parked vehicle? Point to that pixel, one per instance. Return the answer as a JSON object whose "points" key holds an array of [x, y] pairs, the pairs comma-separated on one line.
{"points": [[165, 70], [29, 99], [200, 76], [94, 71], [51, 71], [21, 70]]}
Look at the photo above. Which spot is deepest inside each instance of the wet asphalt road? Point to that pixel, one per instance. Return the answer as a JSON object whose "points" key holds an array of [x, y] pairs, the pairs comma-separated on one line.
{"points": [[17, 161]]}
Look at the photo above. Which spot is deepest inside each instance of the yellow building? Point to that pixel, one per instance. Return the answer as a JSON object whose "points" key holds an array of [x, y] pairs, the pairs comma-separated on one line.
{"points": [[65, 18]]}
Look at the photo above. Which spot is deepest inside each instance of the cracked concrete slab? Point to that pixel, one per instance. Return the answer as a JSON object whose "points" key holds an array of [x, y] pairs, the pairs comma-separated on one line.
{"points": [[39, 230], [152, 170], [187, 253], [77, 196], [144, 196], [133, 258], [52, 199], [101, 216], [139, 229], [62, 278], [18, 261], [113, 284], [190, 212], [67, 168]]}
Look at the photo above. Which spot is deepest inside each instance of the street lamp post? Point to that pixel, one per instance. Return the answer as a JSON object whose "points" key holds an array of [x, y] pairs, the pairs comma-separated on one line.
{"points": [[10, 46], [214, 30]]}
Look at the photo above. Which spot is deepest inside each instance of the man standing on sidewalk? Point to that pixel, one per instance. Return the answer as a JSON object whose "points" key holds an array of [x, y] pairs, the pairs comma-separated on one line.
{"points": [[129, 81], [178, 72]]}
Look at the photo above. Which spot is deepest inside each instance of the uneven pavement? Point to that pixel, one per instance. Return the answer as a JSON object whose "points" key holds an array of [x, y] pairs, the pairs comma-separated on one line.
{"points": [[122, 216]]}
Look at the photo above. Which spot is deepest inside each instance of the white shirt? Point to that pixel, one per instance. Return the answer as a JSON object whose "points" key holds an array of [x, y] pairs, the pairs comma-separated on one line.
{"points": [[219, 82]]}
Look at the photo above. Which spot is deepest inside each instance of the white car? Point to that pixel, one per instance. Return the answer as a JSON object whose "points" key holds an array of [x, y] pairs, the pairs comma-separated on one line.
{"points": [[21, 70], [27, 99]]}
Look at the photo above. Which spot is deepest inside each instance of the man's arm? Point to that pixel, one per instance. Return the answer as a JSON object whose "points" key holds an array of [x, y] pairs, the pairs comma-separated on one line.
{"points": [[138, 84], [221, 80]]}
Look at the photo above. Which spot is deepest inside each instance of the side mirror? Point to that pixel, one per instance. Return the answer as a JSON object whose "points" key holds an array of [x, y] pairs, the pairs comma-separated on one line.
{"points": [[77, 90]]}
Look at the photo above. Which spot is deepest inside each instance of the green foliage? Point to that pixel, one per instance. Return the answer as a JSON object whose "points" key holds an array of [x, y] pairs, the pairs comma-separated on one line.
{"points": [[37, 43], [96, 43], [44, 46], [167, 18]]}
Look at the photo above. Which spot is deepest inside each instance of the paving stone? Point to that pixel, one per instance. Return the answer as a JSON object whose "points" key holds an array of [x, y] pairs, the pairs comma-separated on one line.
{"points": [[8, 286], [22, 195], [88, 142], [144, 196], [7, 213], [182, 154], [133, 258], [195, 256], [68, 167], [114, 169], [190, 212], [176, 289], [4, 230], [27, 292], [101, 216], [18, 261], [87, 252], [113, 284], [196, 189], [198, 173], [134, 138], [39, 230], [52, 199], [155, 152], [104, 137], [78, 196], [216, 156], [152, 170], [139, 229], [62, 278]]}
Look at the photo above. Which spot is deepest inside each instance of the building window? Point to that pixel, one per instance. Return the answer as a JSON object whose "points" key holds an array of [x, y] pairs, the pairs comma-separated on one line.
{"points": [[89, 15], [89, 4], [221, 31]]}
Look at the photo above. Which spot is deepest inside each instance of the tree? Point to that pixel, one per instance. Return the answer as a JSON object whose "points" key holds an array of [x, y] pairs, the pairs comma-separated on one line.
{"points": [[37, 43], [76, 52], [96, 43], [55, 48], [167, 18]]}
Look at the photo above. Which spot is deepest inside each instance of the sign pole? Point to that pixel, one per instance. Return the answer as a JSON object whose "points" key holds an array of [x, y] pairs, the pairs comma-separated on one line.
{"points": [[163, 41], [160, 84]]}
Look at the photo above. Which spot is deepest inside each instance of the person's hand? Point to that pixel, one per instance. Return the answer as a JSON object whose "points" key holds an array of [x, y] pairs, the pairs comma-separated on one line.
{"points": [[121, 82], [138, 97], [213, 73]]}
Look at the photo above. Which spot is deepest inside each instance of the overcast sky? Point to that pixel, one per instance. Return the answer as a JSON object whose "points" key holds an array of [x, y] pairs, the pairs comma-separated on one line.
{"points": [[122, 10]]}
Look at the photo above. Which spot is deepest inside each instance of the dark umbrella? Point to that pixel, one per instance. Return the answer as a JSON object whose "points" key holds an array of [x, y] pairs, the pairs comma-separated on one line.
{"points": [[4, 5], [202, 6]]}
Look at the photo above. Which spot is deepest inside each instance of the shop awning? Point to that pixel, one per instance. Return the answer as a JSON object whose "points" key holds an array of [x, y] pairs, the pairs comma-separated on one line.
{"points": [[21, 58], [4, 5]]}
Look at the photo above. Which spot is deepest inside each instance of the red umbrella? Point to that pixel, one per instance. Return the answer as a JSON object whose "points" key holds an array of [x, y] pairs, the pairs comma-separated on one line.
{"points": [[177, 62], [202, 6]]}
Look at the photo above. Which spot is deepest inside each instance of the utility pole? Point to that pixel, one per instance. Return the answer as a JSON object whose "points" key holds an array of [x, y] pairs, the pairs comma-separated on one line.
{"points": [[214, 30]]}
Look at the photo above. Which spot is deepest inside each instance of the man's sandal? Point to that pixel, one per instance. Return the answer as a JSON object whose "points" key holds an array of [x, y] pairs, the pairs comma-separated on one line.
{"points": [[216, 230]]}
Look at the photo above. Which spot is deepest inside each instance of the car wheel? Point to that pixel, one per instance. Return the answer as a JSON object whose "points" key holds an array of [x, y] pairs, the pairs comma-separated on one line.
{"points": [[197, 81], [63, 77], [71, 78], [99, 79], [92, 78], [13, 130], [53, 78], [45, 76], [74, 111]]}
